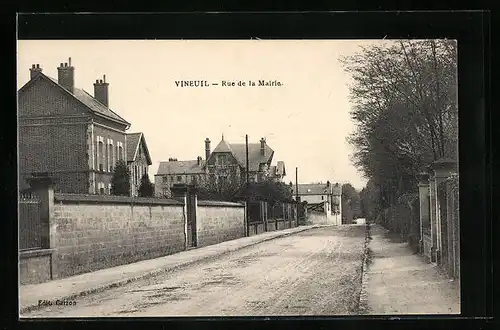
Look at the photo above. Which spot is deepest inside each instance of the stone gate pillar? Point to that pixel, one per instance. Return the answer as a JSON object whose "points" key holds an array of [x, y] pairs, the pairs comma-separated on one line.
{"points": [[43, 186], [442, 169], [264, 214], [423, 192], [433, 213], [179, 192]]}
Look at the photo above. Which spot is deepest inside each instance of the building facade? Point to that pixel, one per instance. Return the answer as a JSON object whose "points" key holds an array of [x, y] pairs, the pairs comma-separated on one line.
{"points": [[317, 193], [227, 161], [325, 195], [138, 160], [175, 172], [69, 134]]}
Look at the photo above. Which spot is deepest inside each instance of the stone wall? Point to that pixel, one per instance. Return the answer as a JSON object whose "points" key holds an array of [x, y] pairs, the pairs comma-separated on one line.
{"points": [[218, 222], [95, 232]]}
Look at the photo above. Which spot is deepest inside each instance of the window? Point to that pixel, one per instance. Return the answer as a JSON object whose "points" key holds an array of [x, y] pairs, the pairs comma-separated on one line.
{"points": [[100, 155], [322, 197], [120, 151], [179, 178], [110, 156], [101, 188], [166, 192], [165, 179], [222, 160]]}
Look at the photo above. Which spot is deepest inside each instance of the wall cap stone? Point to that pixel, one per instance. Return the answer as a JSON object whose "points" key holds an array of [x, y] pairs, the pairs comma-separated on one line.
{"points": [[26, 254], [446, 164], [109, 199], [219, 203]]}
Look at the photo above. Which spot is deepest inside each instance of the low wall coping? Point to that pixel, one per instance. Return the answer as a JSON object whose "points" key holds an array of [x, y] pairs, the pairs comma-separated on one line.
{"points": [[219, 203], [26, 254], [110, 199]]}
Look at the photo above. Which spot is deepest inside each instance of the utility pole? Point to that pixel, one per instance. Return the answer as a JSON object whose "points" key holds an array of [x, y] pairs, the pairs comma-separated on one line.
{"points": [[297, 194], [297, 184], [247, 197], [246, 153]]}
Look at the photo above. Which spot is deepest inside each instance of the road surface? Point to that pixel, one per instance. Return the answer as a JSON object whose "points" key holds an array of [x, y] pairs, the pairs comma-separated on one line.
{"points": [[315, 272]]}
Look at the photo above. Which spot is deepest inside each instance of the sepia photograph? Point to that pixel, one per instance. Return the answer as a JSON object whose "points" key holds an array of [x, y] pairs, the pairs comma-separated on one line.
{"points": [[195, 178]]}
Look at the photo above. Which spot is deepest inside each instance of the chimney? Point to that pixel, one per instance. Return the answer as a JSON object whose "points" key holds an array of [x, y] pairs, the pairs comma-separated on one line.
{"points": [[207, 148], [262, 146], [101, 91], [198, 160], [66, 76], [35, 70]]}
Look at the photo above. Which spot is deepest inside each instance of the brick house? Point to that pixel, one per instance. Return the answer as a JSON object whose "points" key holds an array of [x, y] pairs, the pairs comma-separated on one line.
{"points": [[227, 159], [66, 132], [138, 160]]}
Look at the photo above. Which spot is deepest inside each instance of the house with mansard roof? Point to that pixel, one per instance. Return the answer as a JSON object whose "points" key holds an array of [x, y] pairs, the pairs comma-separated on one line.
{"points": [[69, 134], [226, 160]]}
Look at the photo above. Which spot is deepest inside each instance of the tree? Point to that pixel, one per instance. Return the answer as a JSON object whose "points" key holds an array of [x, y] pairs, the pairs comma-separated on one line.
{"points": [[369, 200], [405, 111], [222, 188], [146, 188], [350, 203], [120, 182]]}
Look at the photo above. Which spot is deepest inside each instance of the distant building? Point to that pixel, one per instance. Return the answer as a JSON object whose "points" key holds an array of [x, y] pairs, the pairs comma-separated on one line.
{"points": [[175, 171], [315, 193], [69, 134], [226, 160]]}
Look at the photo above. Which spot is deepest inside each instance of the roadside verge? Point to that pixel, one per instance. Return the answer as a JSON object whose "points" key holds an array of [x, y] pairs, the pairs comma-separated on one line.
{"points": [[363, 298]]}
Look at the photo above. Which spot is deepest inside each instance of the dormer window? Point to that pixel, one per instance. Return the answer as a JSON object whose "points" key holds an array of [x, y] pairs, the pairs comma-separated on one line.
{"points": [[222, 159]]}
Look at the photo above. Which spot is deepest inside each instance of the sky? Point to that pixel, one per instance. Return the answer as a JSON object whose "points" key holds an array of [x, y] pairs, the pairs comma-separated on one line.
{"points": [[305, 120]]}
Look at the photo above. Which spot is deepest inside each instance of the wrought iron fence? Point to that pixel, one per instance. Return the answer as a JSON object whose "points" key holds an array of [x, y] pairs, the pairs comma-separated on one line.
{"points": [[29, 222]]}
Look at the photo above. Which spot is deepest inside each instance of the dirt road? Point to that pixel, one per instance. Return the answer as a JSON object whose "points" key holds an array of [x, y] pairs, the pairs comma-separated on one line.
{"points": [[315, 272]]}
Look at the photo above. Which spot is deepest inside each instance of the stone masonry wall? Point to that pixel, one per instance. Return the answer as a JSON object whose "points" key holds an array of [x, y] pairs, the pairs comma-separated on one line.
{"points": [[219, 222], [94, 232]]}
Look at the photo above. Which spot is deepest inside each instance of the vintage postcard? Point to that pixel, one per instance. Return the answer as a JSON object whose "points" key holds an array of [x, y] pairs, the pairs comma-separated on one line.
{"points": [[165, 178]]}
